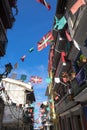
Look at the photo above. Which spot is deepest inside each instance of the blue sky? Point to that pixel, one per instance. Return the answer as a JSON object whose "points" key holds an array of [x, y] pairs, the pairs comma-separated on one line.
{"points": [[32, 23]]}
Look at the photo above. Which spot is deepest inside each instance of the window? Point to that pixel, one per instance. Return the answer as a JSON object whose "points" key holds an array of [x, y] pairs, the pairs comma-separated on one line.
{"points": [[77, 122], [69, 124], [63, 124]]}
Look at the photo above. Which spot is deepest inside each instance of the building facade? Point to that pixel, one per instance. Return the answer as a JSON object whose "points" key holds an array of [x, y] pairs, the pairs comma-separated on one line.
{"points": [[18, 109], [7, 18], [69, 65]]}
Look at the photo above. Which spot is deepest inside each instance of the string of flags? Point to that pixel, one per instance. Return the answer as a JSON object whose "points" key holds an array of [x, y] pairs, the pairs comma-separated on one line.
{"points": [[59, 24], [24, 56], [43, 43], [33, 79], [48, 39]]}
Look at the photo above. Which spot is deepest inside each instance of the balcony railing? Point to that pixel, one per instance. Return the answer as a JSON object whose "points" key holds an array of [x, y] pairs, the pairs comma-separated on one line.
{"points": [[64, 104], [6, 14], [3, 39], [80, 81], [78, 84]]}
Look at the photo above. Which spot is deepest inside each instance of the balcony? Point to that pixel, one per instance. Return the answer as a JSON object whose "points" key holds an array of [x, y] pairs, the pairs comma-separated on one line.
{"points": [[6, 14], [3, 39], [80, 81], [63, 68], [64, 104], [77, 22]]}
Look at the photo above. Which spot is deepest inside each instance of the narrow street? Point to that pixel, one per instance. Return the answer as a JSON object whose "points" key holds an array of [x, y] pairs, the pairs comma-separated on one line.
{"points": [[43, 65]]}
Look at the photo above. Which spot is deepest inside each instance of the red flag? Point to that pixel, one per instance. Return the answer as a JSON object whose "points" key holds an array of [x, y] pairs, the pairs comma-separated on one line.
{"points": [[23, 57], [35, 79], [47, 39], [68, 36], [56, 98], [63, 54], [45, 4], [77, 5]]}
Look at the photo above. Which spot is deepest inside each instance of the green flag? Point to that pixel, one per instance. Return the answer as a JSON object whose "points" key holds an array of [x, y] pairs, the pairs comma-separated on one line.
{"points": [[31, 49], [23, 77], [48, 80]]}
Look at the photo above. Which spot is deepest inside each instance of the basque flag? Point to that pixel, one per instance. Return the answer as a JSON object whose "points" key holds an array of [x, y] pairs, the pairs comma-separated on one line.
{"points": [[45, 41], [35, 79]]}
